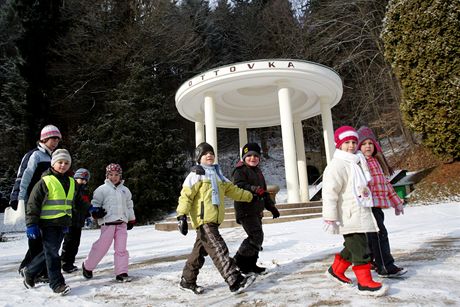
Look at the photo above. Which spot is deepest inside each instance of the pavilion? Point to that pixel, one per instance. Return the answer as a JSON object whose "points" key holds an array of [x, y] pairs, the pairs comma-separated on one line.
{"points": [[264, 93]]}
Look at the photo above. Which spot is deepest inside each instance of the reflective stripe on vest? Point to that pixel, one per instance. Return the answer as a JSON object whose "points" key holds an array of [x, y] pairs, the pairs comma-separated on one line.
{"points": [[58, 204]]}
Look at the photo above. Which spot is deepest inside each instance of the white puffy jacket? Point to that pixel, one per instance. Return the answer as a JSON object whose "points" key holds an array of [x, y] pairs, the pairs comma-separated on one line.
{"points": [[116, 200], [339, 202]]}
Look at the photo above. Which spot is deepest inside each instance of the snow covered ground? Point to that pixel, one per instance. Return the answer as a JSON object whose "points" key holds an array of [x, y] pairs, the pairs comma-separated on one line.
{"points": [[426, 240]]}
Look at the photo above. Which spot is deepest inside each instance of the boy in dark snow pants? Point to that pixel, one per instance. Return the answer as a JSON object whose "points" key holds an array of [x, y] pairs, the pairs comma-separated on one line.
{"points": [[247, 175]]}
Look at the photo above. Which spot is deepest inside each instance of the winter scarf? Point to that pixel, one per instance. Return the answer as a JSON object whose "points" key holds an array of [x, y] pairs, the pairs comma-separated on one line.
{"points": [[213, 171], [360, 176]]}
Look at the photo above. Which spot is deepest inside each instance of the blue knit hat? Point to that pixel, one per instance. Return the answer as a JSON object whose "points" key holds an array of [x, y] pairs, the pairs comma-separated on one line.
{"points": [[82, 173]]}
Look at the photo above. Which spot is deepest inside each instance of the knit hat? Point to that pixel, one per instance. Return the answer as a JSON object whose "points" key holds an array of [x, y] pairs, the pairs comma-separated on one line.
{"points": [[113, 167], [343, 134], [365, 133], [201, 150], [50, 131], [82, 173], [60, 154], [250, 149]]}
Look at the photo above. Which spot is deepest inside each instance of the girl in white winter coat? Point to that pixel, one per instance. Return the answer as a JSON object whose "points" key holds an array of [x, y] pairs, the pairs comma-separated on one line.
{"points": [[347, 203], [113, 208]]}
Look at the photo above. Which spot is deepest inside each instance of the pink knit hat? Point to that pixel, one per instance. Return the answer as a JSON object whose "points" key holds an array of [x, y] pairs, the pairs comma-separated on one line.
{"points": [[50, 131], [343, 134], [113, 167]]}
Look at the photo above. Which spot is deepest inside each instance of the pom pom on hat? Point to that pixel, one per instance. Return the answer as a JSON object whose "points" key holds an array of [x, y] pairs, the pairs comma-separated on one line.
{"points": [[343, 134], [113, 167], [50, 131], [60, 154], [201, 150], [82, 173], [250, 149], [365, 133]]}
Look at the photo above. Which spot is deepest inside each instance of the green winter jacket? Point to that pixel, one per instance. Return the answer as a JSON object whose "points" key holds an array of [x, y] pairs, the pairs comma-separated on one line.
{"points": [[196, 199]]}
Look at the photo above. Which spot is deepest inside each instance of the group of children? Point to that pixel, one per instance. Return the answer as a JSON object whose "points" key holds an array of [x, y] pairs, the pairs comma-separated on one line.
{"points": [[355, 190], [57, 203]]}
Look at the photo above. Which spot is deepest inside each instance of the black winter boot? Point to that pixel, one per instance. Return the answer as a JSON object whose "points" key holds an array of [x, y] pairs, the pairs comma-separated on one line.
{"points": [[255, 268], [244, 263]]}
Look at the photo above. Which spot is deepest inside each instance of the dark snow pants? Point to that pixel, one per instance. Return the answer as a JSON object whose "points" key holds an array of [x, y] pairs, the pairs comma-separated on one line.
{"points": [[251, 246], [355, 249], [379, 244], [70, 247], [210, 242]]}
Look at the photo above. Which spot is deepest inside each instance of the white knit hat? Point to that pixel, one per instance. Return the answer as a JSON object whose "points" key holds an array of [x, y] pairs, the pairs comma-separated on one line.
{"points": [[50, 131], [60, 154]]}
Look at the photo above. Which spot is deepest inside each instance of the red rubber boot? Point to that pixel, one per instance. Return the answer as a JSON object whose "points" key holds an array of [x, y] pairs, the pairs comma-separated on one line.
{"points": [[338, 268]]}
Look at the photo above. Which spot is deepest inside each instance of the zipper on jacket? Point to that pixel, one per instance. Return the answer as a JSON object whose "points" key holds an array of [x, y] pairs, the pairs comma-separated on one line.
{"points": [[202, 210]]}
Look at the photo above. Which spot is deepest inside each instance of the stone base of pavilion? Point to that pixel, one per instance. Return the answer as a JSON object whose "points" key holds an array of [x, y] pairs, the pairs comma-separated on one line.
{"points": [[289, 212]]}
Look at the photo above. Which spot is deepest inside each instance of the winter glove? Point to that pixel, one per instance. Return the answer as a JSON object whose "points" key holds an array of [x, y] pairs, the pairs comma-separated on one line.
{"points": [[260, 192], [130, 224], [33, 232], [198, 169], [97, 212], [182, 224], [399, 209], [275, 212], [65, 229], [331, 227], [14, 204]]}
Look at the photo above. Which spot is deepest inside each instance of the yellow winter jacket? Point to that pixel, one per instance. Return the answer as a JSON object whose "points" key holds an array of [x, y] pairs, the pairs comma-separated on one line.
{"points": [[196, 199]]}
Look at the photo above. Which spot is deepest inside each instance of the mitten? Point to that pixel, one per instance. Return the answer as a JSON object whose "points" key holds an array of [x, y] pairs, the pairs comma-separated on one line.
{"points": [[33, 232], [198, 169], [399, 209], [14, 204], [131, 224], [97, 212], [182, 224], [331, 227], [65, 229], [275, 212]]}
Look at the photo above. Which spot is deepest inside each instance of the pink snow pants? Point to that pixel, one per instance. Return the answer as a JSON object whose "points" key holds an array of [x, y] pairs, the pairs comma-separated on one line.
{"points": [[109, 233]]}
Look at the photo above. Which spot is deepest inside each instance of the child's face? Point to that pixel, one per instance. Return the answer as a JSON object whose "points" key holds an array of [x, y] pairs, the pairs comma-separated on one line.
{"points": [[81, 181], [349, 146], [61, 166], [52, 143], [208, 158], [367, 148], [114, 177], [252, 160]]}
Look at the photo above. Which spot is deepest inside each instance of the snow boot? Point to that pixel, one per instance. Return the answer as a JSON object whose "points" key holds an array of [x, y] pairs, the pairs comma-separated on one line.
{"points": [[366, 285], [242, 283], [338, 268], [29, 281], [62, 289], [123, 277], [86, 273], [244, 263], [190, 286], [255, 268]]}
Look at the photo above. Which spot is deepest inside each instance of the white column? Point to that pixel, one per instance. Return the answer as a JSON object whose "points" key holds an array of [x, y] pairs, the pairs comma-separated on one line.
{"points": [[287, 132], [301, 161], [243, 137], [199, 133], [328, 129], [210, 121]]}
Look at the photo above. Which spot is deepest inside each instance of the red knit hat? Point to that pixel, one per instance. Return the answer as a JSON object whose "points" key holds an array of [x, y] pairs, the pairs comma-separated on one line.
{"points": [[113, 167], [343, 134]]}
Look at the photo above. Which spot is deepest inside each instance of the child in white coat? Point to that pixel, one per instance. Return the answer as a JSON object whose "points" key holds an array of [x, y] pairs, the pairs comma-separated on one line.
{"points": [[346, 211], [113, 208]]}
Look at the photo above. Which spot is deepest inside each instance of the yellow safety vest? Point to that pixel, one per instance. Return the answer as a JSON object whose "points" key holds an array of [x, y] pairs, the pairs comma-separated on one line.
{"points": [[58, 204]]}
